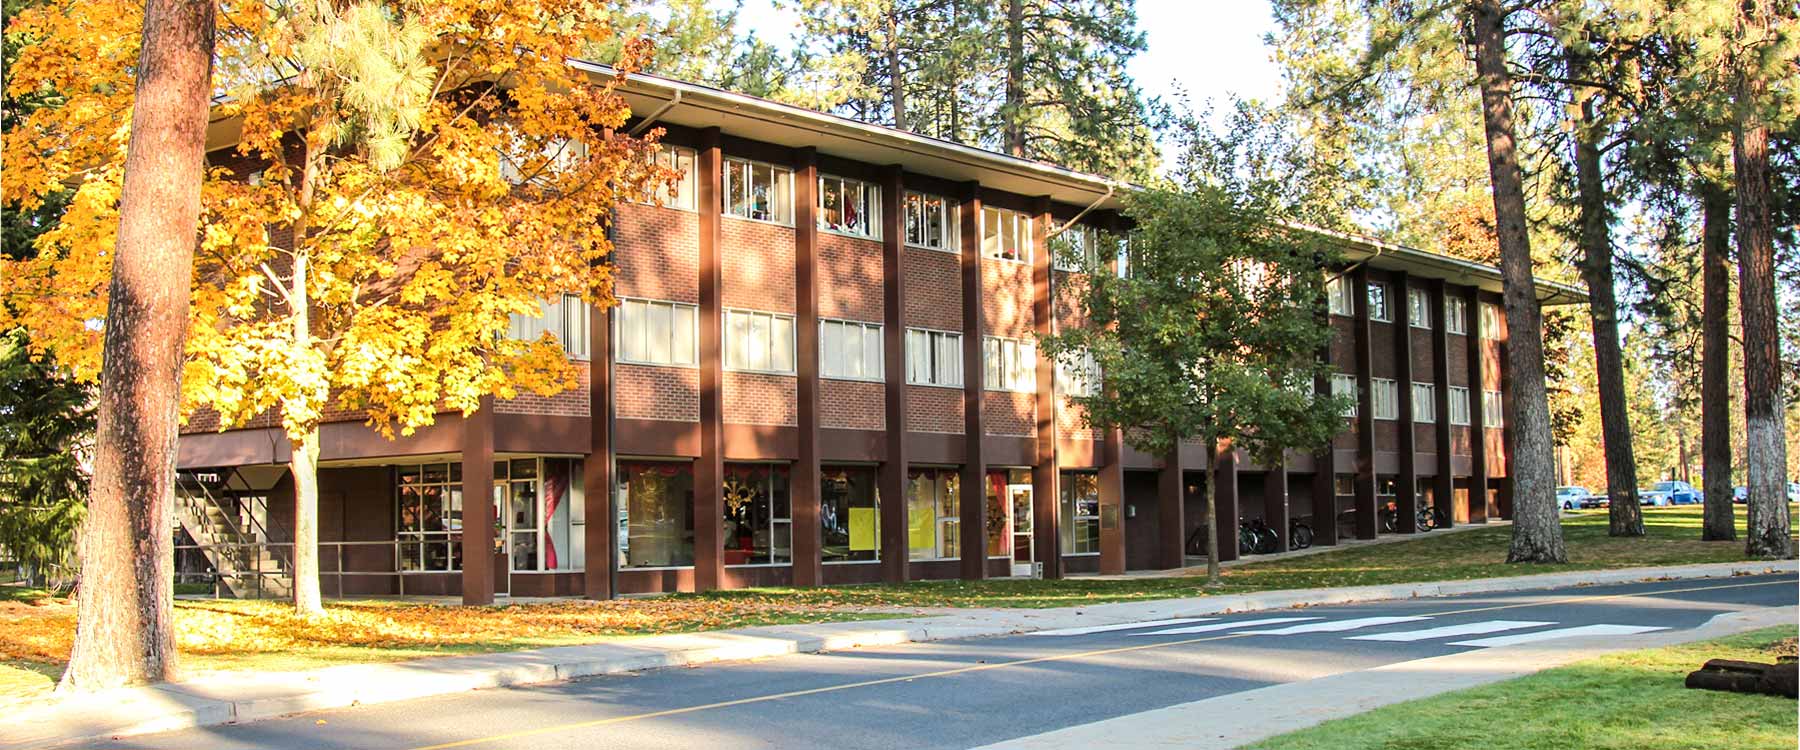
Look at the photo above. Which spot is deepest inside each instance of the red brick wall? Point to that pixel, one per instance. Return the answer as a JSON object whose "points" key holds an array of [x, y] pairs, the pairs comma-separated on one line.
{"points": [[1381, 346], [852, 404], [1070, 424], [758, 265], [934, 409], [658, 251], [647, 392], [933, 292], [756, 398], [569, 403], [1009, 413], [1006, 299], [850, 273]]}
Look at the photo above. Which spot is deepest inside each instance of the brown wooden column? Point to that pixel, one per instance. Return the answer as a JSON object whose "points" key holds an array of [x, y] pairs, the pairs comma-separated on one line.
{"points": [[1324, 487], [478, 504], [1504, 500], [804, 488], [1171, 526], [1444, 485], [600, 533], [974, 468], [1406, 483], [1478, 479], [1046, 471], [709, 469], [1275, 503], [1225, 498], [1112, 504], [1366, 513], [892, 480]]}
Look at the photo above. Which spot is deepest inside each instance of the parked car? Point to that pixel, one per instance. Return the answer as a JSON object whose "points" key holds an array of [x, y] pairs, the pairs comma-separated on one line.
{"points": [[1601, 499], [1741, 494], [1571, 497], [1680, 493], [1650, 496]]}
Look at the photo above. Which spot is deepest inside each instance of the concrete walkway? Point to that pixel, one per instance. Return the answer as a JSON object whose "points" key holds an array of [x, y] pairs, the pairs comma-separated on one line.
{"points": [[247, 696], [1251, 716]]}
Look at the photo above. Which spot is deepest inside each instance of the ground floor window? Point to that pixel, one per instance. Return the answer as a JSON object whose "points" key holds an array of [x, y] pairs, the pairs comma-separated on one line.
{"points": [[429, 513], [758, 524], [656, 513], [1080, 513], [540, 518], [933, 513], [849, 514], [1009, 513]]}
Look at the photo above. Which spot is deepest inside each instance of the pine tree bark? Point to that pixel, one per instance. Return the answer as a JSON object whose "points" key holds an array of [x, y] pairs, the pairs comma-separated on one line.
{"points": [[1624, 517], [896, 76], [1719, 522], [124, 631], [1012, 110], [1537, 529], [1765, 443]]}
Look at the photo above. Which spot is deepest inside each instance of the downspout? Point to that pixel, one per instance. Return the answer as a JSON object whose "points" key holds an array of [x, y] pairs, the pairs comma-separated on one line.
{"points": [[1111, 187], [651, 119]]}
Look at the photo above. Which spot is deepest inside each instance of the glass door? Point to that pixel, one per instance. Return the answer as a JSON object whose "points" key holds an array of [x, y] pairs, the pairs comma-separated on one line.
{"points": [[1019, 508]]}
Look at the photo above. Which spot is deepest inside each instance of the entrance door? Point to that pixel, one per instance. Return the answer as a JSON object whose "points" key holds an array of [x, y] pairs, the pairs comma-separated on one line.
{"points": [[1019, 517]]}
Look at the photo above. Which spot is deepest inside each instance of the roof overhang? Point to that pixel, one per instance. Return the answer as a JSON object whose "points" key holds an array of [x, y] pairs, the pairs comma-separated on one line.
{"points": [[1420, 263]]}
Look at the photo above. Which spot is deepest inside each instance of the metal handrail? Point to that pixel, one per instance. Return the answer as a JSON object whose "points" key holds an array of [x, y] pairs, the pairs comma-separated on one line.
{"points": [[338, 574]]}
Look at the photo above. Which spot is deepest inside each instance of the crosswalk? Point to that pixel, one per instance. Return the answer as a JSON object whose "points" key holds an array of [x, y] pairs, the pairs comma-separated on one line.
{"points": [[1421, 631]]}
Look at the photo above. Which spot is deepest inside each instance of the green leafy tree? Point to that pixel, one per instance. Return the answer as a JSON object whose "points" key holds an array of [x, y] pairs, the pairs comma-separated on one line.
{"points": [[46, 426]]}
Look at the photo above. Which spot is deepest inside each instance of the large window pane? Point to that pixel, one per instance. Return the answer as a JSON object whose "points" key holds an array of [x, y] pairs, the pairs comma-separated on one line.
{"points": [[932, 506], [757, 526], [849, 514], [656, 503], [1080, 513]]}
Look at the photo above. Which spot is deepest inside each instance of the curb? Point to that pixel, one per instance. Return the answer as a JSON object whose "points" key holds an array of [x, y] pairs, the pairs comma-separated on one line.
{"points": [[243, 697]]}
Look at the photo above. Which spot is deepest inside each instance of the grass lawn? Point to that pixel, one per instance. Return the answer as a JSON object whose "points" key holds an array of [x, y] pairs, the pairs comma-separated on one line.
{"points": [[1626, 701]]}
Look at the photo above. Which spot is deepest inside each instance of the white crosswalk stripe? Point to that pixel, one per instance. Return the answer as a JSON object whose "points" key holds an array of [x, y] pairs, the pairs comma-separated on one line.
{"points": [[1546, 635], [1229, 625], [1451, 631], [1121, 626], [1334, 626]]}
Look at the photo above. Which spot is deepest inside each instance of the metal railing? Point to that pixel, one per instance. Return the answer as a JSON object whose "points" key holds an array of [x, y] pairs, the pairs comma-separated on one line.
{"points": [[334, 552]]}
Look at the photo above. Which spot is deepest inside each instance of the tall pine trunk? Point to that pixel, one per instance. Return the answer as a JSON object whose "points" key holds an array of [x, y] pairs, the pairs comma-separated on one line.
{"points": [[124, 625], [1624, 518], [1765, 448], [1719, 522], [1012, 110], [1537, 530], [896, 78]]}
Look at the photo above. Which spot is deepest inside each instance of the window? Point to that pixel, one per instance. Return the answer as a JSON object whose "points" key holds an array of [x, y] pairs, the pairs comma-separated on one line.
{"points": [[1378, 303], [849, 350], [1337, 295], [1490, 321], [518, 165], [540, 519], [1493, 409], [1075, 249], [851, 207], [1005, 235], [1424, 402], [1418, 307], [758, 528], [1079, 376], [1456, 315], [429, 500], [1385, 394], [849, 514], [1344, 384], [657, 333], [931, 222], [1459, 405], [681, 193], [1080, 513], [754, 190], [565, 319], [1008, 365], [656, 514], [933, 508], [759, 342], [933, 358]]}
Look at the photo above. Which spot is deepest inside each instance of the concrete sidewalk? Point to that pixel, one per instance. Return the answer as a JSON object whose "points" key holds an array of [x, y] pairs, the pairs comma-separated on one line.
{"points": [[247, 696], [1239, 719]]}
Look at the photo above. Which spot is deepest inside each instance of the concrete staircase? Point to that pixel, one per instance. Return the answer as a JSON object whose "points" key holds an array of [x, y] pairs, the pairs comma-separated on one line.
{"points": [[234, 545]]}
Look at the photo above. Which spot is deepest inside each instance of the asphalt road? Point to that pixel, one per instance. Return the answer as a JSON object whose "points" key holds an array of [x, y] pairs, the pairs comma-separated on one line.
{"points": [[968, 693]]}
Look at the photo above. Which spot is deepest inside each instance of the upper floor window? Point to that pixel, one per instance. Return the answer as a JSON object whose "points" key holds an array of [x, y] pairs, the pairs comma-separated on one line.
{"points": [[1424, 402], [755, 190], [1379, 311], [759, 341], [657, 333], [1337, 295], [1456, 315], [1490, 321], [1005, 235], [1418, 307], [933, 357], [1344, 384], [565, 318], [1009, 365], [931, 222], [521, 164], [1080, 377], [850, 350], [1459, 405], [1076, 248], [1385, 394], [1492, 409], [851, 207], [681, 193]]}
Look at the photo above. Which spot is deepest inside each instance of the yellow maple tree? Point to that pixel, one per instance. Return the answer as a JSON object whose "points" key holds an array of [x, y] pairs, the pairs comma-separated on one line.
{"points": [[406, 178]]}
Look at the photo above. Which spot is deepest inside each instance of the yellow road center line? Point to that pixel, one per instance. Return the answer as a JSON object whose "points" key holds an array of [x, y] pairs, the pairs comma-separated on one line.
{"points": [[1002, 665]]}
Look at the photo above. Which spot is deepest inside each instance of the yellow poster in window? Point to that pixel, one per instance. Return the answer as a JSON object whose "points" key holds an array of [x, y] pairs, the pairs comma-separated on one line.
{"points": [[862, 529]]}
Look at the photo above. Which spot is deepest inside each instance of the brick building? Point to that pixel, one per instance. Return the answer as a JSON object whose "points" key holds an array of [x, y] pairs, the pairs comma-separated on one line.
{"points": [[824, 347]]}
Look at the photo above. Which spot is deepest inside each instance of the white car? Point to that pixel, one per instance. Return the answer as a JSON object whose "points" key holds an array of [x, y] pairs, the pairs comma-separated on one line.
{"points": [[1571, 497]]}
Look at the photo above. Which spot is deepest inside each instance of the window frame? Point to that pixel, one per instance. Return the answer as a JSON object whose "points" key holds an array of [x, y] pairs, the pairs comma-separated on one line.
{"points": [[1070, 545], [727, 347], [1344, 384], [1010, 354], [1085, 240], [951, 229], [1488, 320], [1418, 306], [686, 195], [1459, 404], [772, 522], [1383, 311], [1456, 316], [568, 311], [864, 329], [1493, 409], [619, 340], [1022, 228], [871, 193], [1079, 378], [941, 479], [1384, 398], [422, 539], [784, 218], [1424, 397], [851, 556], [1338, 299], [932, 336]]}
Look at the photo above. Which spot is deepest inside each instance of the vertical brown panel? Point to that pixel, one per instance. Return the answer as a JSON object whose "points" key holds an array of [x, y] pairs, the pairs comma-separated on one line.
{"points": [[478, 508], [804, 488], [1275, 502], [1444, 486], [1112, 504], [1366, 512], [1478, 479], [893, 347], [1324, 487], [974, 469], [1225, 498], [1171, 526], [1406, 483], [709, 471], [1503, 501], [1046, 472], [597, 470]]}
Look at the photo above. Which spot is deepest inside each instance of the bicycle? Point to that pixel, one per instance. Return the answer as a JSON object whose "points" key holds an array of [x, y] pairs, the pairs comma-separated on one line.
{"points": [[1300, 535]]}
